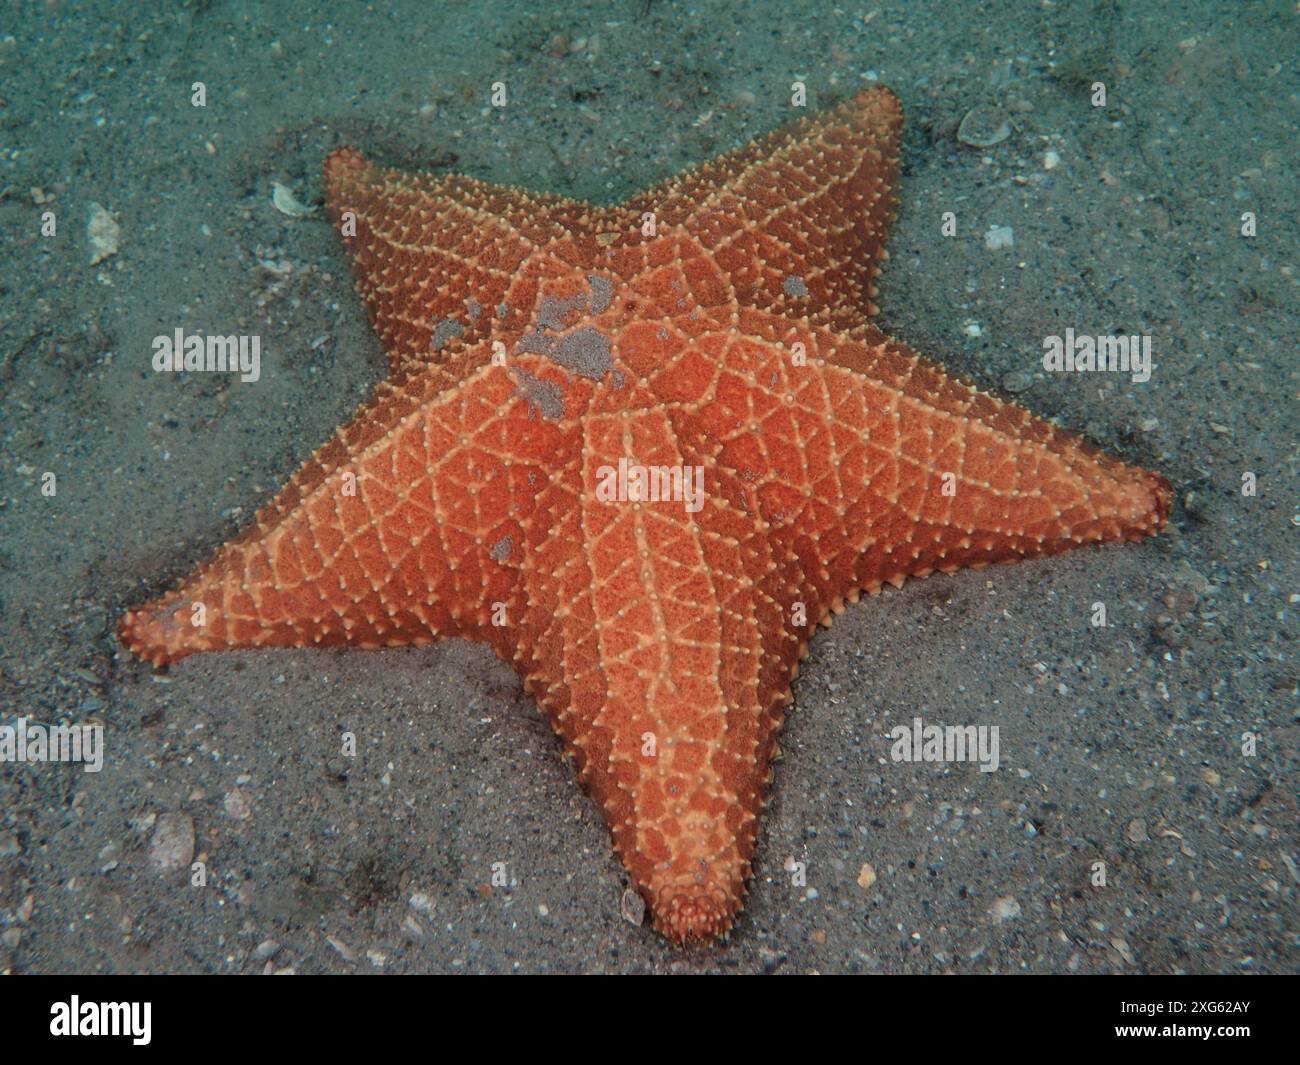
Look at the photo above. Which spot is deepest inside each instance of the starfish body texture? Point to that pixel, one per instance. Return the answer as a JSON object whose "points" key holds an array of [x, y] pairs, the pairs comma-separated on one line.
{"points": [[641, 451]]}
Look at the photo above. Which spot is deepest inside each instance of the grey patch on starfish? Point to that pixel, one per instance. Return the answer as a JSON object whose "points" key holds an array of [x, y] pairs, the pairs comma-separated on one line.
{"points": [[501, 549], [662, 334], [544, 397], [602, 292], [535, 344], [503, 309], [794, 288], [445, 329], [473, 309], [584, 352], [618, 378], [555, 309]]}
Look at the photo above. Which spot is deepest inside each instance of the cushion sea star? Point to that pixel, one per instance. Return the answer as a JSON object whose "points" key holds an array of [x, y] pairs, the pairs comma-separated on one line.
{"points": [[641, 451]]}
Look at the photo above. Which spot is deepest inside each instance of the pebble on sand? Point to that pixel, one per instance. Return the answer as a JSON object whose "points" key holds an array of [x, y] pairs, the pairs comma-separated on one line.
{"points": [[102, 234], [172, 846], [1006, 908], [237, 805], [266, 950], [1017, 381]]}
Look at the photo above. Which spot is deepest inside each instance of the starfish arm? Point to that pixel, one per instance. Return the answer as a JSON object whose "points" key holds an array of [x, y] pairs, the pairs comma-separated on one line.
{"points": [[643, 646], [797, 220], [870, 465], [434, 255], [398, 531], [979, 479]]}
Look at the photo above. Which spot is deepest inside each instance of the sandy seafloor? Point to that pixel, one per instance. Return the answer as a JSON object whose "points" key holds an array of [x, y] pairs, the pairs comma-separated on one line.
{"points": [[1120, 744]]}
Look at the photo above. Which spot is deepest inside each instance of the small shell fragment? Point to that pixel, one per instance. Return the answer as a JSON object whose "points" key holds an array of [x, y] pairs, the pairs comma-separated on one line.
{"points": [[286, 203], [1123, 949], [983, 127], [342, 949], [102, 232], [999, 237], [632, 907]]}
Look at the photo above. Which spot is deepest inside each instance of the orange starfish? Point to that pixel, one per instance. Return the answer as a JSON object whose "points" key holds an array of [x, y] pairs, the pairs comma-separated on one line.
{"points": [[641, 451]]}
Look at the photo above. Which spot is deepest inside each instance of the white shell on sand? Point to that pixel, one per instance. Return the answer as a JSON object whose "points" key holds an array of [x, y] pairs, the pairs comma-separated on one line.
{"points": [[286, 203]]}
